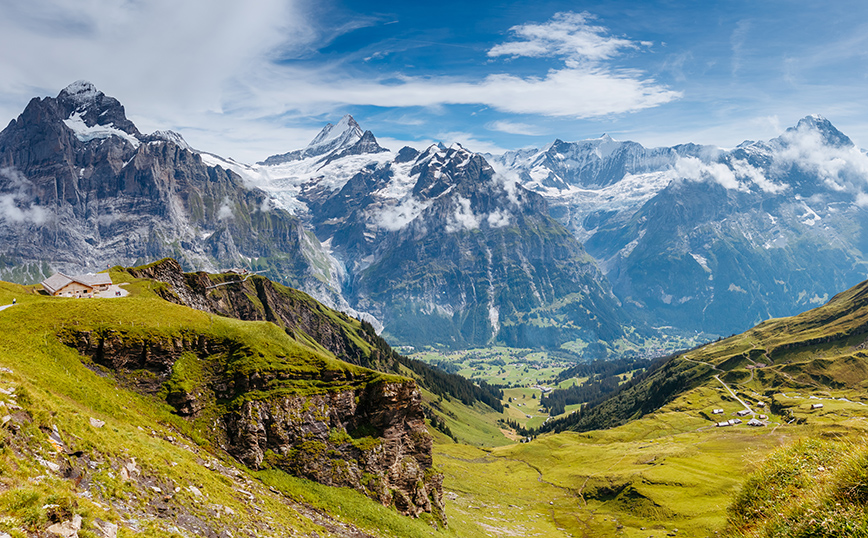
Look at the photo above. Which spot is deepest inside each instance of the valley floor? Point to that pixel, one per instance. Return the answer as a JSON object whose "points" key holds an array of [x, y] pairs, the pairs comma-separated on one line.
{"points": [[672, 473]]}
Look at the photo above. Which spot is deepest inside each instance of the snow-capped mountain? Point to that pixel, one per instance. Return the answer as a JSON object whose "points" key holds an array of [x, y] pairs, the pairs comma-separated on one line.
{"points": [[711, 239], [446, 251], [600, 175], [82, 189], [567, 244], [436, 245], [332, 140]]}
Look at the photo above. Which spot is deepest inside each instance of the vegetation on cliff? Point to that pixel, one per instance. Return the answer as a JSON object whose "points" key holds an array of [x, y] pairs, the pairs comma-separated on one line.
{"points": [[134, 432]]}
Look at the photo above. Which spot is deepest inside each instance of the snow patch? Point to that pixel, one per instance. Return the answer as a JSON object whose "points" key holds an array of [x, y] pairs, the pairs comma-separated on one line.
{"points": [[810, 217], [702, 261], [816, 299], [81, 92], [737, 289], [97, 132], [172, 136]]}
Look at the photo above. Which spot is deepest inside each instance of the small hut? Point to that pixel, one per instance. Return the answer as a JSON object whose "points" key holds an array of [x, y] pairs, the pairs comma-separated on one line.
{"points": [[61, 285]]}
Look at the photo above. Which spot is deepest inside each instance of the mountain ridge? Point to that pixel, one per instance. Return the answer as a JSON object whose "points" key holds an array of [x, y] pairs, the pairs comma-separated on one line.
{"points": [[749, 228]]}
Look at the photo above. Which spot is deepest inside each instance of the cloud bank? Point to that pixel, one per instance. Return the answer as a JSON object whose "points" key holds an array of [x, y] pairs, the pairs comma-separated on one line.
{"points": [[231, 78]]}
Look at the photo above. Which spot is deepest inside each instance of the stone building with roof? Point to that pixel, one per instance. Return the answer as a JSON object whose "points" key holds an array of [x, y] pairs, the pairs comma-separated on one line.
{"points": [[61, 285]]}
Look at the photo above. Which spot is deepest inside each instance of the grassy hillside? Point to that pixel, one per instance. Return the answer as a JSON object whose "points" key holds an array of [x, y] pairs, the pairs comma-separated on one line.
{"points": [[662, 466], [77, 441], [651, 461], [813, 488]]}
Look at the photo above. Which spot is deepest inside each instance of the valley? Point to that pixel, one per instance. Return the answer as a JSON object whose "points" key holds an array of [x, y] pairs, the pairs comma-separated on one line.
{"points": [[591, 338], [647, 474]]}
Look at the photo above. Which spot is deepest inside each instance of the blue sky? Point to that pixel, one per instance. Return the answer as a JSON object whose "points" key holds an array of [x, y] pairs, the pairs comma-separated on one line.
{"points": [[247, 80]]}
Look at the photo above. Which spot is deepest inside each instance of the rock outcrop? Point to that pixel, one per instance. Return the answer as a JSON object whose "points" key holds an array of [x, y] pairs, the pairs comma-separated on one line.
{"points": [[372, 439], [255, 298], [340, 426]]}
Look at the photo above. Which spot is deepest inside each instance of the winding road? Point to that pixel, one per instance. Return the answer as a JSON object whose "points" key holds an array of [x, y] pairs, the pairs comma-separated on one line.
{"points": [[233, 281], [719, 380]]}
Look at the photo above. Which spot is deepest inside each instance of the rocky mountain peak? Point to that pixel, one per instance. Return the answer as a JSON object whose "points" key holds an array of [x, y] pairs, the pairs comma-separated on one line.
{"points": [[347, 128], [170, 136], [80, 92], [85, 107], [330, 141], [831, 135]]}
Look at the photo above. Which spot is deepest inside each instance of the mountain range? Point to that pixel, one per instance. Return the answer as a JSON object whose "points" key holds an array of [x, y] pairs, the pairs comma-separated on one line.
{"points": [[709, 239], [594, 246]]}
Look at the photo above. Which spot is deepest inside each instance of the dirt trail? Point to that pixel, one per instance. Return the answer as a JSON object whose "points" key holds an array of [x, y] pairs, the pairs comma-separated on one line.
{"points": [[719, 380]]}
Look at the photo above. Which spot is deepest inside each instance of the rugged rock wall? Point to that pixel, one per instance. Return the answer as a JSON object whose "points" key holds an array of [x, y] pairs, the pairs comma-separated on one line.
{"points": [[370, 436], [254, 298], [373, 440], [93, 191]]}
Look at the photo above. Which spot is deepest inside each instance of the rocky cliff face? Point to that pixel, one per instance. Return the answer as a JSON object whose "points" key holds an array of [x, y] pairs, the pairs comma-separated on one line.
{"points": [[255, 298], [373, 440], [352, 430], [83, 189], [445, 251]]}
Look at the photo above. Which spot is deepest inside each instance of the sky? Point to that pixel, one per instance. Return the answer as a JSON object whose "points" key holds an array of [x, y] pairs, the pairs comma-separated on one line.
{"points": [[248, 80]]}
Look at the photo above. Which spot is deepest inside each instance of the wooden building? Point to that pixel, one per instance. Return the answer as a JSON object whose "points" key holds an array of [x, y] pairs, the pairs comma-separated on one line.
{"points": [[61, 285]]}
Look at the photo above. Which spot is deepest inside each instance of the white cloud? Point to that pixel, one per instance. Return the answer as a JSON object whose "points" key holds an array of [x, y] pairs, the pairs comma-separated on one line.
{"points": [[737, 41], [566, 35], [693, 169], [225, 211], [10, 211], [732, 175], [745, 170], [393, 218], [498, 218], [510, 181], [215, 70], [513, 127], [173, 65], [463, 218], [581, 93], [16, 206], [841, 168]]}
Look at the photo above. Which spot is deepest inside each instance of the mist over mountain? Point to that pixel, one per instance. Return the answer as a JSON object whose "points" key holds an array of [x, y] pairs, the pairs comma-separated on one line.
{"points": [[709, 239]]}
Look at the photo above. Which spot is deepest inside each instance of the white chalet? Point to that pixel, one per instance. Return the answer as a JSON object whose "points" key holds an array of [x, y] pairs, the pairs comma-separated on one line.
{"points": [[61, 285]]}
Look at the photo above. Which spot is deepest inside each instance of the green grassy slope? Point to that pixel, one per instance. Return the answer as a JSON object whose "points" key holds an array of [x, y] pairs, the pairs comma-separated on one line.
{"points": [[663, 465], [124, 457]]}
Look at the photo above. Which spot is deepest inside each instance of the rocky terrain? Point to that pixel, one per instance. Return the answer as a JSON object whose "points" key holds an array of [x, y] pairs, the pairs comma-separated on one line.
{"points": [[708, 239], [83, 189], [283, 405]]}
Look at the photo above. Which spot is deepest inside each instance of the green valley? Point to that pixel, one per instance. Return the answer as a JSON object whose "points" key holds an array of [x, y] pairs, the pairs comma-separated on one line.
{"points": [[141, 412]]}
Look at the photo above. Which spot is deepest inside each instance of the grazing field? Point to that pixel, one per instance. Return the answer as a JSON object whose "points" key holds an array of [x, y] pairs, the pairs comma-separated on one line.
{"points": [[500, 365], [672, 469]]}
